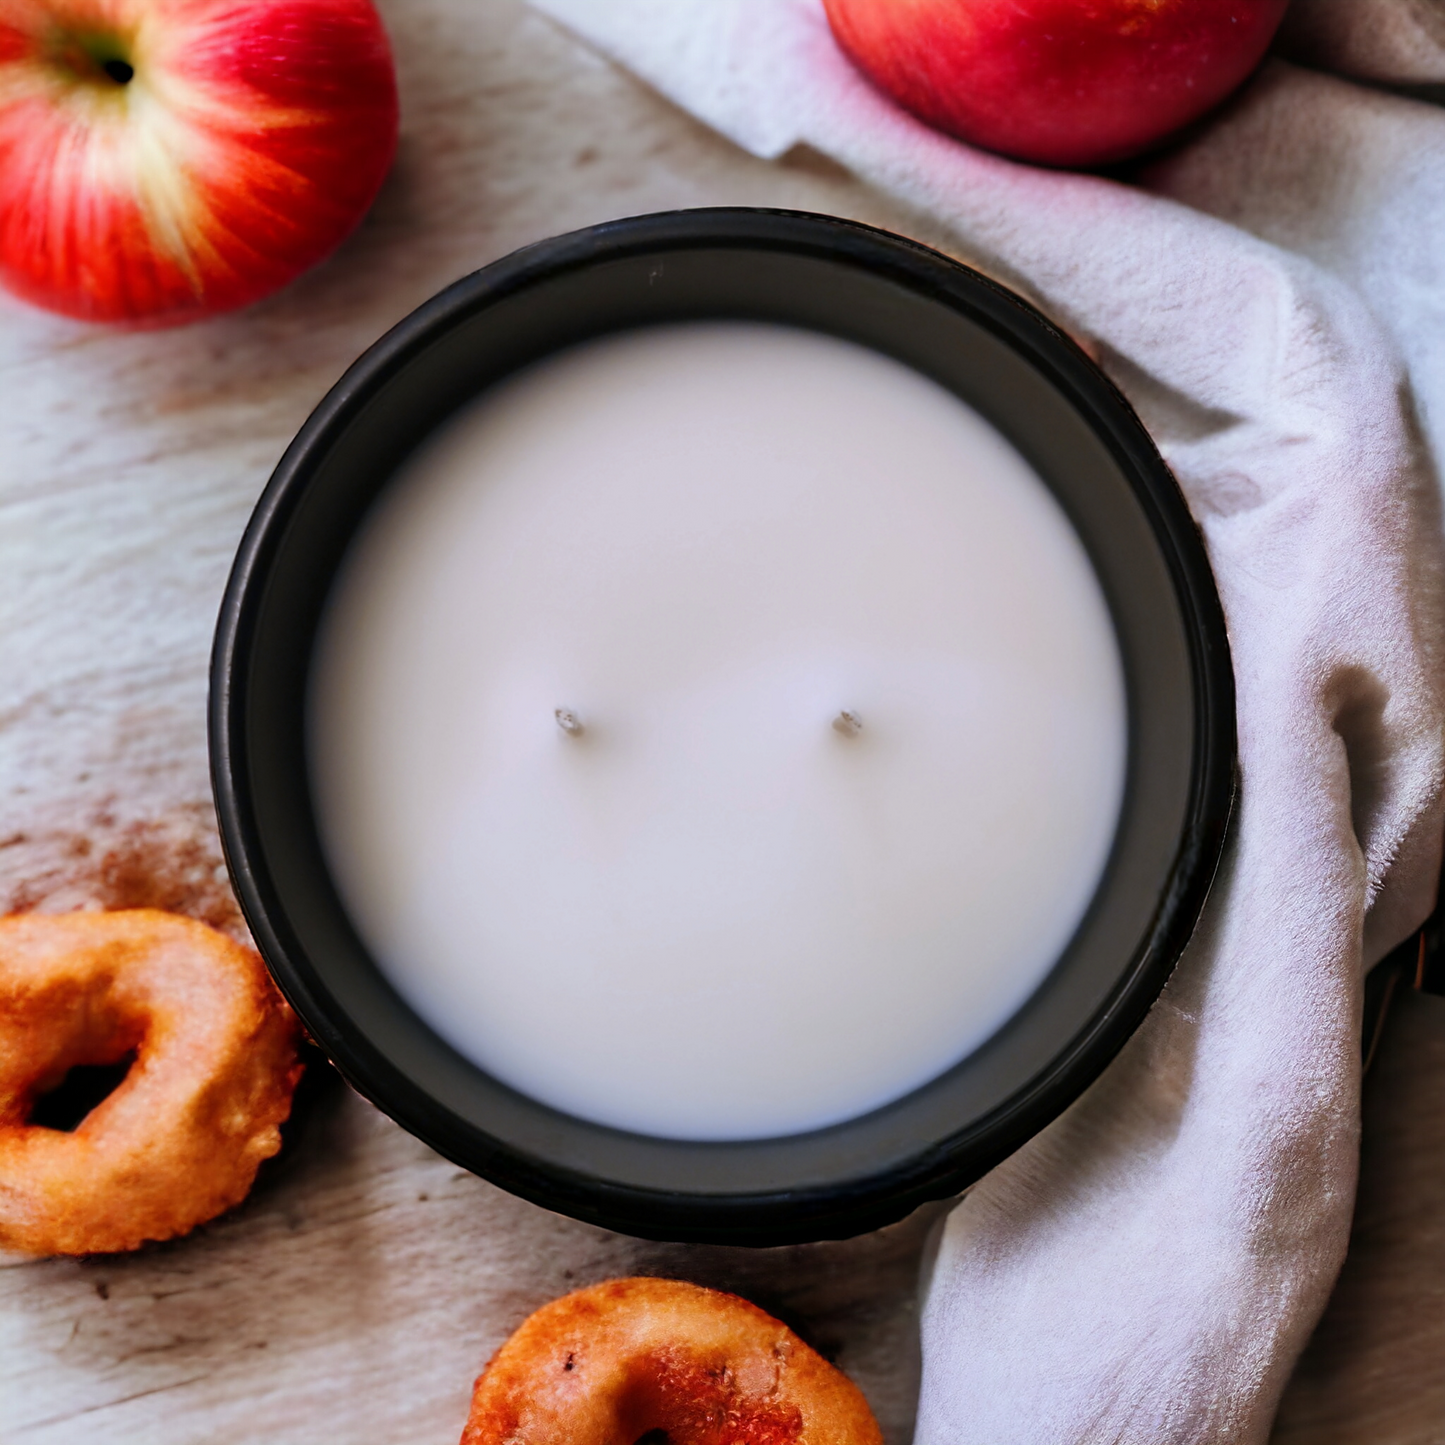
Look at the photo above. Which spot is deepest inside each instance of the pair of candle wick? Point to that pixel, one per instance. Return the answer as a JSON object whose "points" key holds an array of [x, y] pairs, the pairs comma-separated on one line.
{"points": [[847, 722]]}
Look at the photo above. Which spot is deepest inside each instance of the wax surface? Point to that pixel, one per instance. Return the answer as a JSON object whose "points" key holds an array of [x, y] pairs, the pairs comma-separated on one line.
{"points": [[710, 913]]}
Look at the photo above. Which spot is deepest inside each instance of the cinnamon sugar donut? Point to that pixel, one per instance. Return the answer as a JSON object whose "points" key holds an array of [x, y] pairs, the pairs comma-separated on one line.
{"points": [[610, 1364], [180, 1139]]}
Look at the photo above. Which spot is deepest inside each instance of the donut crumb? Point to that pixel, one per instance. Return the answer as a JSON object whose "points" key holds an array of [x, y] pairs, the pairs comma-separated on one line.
{"points": [[172, 862]]}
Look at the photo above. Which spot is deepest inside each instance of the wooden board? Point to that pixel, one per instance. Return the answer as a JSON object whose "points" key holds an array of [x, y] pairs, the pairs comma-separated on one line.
{"points": [[356, 1294], [1373, 1373]]}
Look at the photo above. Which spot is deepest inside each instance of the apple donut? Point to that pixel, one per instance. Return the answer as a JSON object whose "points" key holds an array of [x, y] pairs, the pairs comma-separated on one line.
{"points": [[624, 1359], [180, 1139]]}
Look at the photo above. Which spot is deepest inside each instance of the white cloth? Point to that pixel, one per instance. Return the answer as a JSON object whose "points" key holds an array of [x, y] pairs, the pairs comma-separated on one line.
{"points": [[1148, 1268], [1398, 42]]}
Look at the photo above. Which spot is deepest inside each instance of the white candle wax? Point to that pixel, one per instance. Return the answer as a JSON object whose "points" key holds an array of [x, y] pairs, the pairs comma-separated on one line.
{"points": [[718, 732]]}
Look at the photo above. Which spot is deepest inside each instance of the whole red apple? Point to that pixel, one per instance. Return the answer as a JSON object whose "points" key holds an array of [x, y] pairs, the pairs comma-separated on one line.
{"points": [[162, 160], [1062, 82]]}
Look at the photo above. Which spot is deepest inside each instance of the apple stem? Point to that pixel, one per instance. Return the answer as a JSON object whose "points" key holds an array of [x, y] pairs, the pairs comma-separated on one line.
{"points": [[120, 71]]}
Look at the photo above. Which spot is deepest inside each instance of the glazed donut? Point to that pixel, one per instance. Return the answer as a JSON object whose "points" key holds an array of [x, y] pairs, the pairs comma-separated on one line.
{"points": [[180, 1139], [611, 1364]]}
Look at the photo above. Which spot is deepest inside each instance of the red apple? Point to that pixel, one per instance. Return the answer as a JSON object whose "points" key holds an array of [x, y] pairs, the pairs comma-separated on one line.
{"points": [[162, 160], [1063, 82]]}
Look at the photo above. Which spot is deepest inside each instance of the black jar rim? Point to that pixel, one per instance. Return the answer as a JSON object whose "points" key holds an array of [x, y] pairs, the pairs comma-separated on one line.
{"points": [[1012, 365]]}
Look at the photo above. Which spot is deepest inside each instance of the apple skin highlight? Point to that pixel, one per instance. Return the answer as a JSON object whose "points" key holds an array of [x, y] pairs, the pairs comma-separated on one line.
{"points": [[1057, 82], [164, 160]]}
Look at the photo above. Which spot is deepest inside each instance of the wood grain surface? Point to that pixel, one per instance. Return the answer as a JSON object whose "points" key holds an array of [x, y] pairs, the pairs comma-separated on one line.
{"points": [[354, 1297], [1373, 1373]]}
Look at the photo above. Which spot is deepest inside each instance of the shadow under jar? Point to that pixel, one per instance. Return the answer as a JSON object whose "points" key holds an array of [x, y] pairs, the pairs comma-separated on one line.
{"points": [[722, 725]]}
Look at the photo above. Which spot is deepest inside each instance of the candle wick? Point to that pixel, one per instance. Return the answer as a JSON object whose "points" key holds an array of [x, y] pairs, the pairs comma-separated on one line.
{"points": [[848, 723], [569, 722]]}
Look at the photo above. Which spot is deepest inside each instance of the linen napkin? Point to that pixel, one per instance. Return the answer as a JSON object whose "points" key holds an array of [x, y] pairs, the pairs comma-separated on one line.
{"points": [[1148, 1268]]}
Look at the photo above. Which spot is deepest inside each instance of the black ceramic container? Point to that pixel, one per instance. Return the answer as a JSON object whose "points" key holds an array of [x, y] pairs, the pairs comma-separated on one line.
{"points": [[1063, 415]]}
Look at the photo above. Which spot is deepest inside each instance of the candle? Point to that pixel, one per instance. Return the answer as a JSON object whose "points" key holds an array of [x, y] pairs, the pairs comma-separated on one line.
{"points": [[717, 731]]}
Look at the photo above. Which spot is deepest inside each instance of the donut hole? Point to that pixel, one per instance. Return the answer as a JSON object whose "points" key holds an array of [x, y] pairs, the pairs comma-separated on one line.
{"points": [[84, 1087], [654, 1437]]}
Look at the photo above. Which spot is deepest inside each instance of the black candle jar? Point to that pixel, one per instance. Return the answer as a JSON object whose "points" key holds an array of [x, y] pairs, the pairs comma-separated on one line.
{"points": [[1044, 396]]}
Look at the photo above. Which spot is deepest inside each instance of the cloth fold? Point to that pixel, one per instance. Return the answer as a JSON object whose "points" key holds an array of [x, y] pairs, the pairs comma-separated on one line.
{"points": [[1392, 42], [1148, 1268]]}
